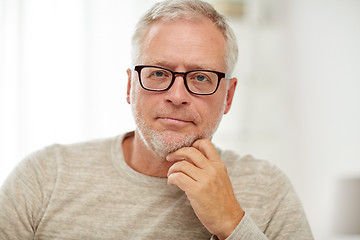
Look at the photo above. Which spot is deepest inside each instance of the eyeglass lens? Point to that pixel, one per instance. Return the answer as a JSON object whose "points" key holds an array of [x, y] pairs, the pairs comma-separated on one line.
{"points": [[199, 81]]}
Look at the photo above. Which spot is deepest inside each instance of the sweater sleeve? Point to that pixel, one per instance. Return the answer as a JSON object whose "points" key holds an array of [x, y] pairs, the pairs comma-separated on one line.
{"points": [[246, 229], [25, 195]]}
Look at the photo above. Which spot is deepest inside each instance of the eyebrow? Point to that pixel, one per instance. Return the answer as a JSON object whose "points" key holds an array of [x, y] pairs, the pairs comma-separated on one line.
{"points": [[187, 66]]}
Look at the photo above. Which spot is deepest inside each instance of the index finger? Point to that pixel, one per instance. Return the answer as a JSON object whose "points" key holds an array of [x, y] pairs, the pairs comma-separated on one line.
{"points": [[190, 154], [207, 149]]}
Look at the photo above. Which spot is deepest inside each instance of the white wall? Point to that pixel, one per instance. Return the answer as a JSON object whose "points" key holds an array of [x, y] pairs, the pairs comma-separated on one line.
{"points": [[325, 41]]}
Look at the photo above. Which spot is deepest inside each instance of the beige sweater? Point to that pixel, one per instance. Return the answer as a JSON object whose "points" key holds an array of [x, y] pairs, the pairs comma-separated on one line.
{"points": [[86, 191]]}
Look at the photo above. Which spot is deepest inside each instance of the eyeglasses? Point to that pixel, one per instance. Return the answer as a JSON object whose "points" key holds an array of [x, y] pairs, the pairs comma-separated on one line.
{"points": [[199, 82]]}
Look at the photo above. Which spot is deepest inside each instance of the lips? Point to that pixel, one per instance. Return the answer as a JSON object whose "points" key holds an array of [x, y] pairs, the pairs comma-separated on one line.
{"points": [[179, 116], [175, 120]]}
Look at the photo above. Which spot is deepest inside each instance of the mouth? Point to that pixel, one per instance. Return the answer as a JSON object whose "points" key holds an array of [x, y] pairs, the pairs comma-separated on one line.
{"points": [[174, 121]]}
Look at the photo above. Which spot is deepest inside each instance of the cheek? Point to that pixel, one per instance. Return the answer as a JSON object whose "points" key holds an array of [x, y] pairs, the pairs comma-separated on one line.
{"points": [[134, 99], [134, 89], [136, 93], [211, 109], [141, 102], [218, 102]]}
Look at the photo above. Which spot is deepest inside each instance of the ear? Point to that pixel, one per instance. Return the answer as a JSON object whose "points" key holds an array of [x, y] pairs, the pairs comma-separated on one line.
{"points": [[129, 73], [230, 94]]}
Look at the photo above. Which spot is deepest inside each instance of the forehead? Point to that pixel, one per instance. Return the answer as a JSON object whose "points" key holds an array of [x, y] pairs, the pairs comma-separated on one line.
{"points": [[184, 43]]}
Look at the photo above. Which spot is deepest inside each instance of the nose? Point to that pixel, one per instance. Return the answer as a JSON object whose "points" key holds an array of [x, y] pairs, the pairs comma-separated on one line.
{"points": [[178, 94]]}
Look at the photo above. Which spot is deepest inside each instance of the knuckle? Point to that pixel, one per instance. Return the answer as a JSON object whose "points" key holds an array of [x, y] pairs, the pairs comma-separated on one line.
{"points": [[213, 172], [182, 164], [206, 184]]}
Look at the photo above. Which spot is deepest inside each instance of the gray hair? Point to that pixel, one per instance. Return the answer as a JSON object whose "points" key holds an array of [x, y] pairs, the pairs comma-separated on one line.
{"points": [[169, 10]]}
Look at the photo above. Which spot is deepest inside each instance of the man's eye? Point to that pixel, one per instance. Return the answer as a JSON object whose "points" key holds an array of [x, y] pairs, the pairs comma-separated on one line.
{"points": [[201, 78], [158, 74]]}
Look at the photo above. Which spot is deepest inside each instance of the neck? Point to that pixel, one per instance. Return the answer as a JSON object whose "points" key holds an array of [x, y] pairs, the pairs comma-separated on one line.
{"points": [[140, 158]]}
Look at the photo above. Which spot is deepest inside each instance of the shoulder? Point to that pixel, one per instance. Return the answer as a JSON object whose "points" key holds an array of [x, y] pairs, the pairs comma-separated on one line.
{"points": [[50, 159], [84, 147], [251, 176], [247, 165]]}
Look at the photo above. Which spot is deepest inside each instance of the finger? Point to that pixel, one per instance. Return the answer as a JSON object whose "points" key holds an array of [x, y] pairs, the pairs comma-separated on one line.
{"points": [[186, 168], [189, 154], [207, 149], [181, 180]]}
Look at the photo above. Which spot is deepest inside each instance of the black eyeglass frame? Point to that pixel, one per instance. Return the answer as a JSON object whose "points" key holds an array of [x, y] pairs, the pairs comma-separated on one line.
{"points": [[220, 75]]}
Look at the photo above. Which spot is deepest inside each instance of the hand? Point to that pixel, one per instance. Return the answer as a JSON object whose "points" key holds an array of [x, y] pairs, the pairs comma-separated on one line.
{"points": [[200, 173]]}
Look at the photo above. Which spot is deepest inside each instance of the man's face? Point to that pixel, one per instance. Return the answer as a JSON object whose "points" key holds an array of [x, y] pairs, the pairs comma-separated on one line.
{"points": [[169, 120]]}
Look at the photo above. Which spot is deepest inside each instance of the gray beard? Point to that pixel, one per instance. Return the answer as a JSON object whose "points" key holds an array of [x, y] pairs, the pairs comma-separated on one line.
{"points": [[161, 143]]}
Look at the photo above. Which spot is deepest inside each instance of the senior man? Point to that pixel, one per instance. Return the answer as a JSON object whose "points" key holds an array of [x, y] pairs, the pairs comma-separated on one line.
{"points": [[165, 180]]}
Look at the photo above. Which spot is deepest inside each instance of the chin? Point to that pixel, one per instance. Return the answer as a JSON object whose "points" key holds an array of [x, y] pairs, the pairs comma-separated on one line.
{"points": [[161, 143]]}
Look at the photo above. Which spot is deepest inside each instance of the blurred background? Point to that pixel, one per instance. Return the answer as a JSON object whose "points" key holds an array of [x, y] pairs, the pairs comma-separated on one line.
{"points": [[63, 80]]}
